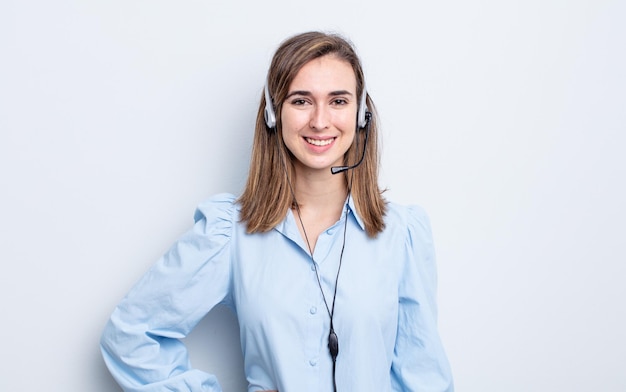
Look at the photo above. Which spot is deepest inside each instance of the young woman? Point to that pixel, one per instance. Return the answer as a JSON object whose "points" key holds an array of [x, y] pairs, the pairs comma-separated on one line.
{"points": [[333, 287]]}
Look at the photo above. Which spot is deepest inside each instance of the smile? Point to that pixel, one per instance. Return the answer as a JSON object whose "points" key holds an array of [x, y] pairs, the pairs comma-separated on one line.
{"points": [[318, 142]]}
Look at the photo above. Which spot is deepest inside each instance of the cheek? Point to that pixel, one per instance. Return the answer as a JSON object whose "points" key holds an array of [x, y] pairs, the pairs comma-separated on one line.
{"points": [[293, 119], [350, 140], [346, 120]]}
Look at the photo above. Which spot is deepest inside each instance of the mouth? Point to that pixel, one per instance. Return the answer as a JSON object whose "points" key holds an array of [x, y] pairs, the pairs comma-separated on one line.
{"points": [[319, 142]]}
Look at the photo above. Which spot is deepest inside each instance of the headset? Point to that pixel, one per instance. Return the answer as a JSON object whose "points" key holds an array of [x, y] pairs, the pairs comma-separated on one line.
{"points": [[270, 115]]}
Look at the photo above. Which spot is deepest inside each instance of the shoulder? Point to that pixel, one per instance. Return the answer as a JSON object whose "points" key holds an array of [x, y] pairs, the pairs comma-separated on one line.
{"points": [[407, 217], [218, 211], [411, 223]]}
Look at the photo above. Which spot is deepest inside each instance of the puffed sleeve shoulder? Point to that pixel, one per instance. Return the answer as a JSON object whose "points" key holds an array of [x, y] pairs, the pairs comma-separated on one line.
{"points": [[421, 250], [140, 343], [420, 362]]}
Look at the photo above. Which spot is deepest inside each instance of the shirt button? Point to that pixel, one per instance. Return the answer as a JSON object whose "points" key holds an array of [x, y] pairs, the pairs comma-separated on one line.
{"points": [[312, 267], [330, 231], [313, 310], [313, 362]]}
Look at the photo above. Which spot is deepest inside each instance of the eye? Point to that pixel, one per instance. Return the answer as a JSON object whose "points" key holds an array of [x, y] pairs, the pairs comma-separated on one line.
{"points": [[339, 101], [298, 101]]}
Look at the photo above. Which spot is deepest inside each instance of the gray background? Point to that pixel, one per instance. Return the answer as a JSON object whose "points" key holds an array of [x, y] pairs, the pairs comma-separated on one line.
{"points": [[504, 119]]}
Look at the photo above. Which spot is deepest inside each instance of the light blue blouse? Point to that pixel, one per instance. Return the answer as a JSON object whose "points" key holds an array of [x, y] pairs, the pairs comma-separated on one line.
{"points": [[385, 311]]}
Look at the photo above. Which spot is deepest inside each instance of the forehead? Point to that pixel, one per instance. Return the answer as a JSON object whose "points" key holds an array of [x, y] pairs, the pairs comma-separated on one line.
{"points": [[326, 72]]}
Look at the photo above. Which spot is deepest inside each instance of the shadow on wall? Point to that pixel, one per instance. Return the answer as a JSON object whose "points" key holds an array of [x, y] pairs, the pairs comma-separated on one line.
{"points": [[103, 379]]}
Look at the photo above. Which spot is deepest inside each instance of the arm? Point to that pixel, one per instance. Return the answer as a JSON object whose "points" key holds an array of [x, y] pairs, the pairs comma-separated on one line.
{"points": [[140, 343], [420, 362]]}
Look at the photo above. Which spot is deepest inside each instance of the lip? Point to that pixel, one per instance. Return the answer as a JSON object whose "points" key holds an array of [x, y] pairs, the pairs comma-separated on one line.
{"points": [[319, 144]]}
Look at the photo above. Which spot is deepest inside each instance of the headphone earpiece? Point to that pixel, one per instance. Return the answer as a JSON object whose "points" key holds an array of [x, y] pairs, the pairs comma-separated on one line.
{"points": [[362, 119], [270, 116]]}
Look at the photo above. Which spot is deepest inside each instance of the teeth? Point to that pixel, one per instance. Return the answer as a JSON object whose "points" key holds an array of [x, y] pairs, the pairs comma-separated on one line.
{"points": [[317, 142]]}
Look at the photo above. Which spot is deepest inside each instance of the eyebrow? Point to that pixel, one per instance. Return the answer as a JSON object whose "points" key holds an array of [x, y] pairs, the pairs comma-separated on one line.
{"points": [[308, 93]]}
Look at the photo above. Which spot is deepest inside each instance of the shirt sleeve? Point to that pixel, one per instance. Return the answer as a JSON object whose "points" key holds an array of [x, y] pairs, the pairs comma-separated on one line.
{"points": [[420, 362], [140, 343]]}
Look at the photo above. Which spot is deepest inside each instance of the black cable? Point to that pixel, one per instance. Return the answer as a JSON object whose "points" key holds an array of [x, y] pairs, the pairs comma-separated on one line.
{"points": [[333, 341]]}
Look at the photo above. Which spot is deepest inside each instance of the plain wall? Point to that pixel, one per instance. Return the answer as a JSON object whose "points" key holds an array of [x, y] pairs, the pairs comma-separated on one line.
{"points": [[504, 119]]}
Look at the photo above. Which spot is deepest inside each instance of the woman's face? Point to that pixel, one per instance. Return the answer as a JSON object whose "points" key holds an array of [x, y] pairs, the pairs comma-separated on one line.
{"points": [[319, 114]]}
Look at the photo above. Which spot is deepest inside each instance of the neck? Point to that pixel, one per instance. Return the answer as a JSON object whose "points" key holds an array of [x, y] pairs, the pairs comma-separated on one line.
{"points": [[320, 197], [320, 190]]}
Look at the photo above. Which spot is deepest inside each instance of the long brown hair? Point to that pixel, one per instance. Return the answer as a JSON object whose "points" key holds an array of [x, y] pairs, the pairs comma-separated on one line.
{"points": [[267, 196]]}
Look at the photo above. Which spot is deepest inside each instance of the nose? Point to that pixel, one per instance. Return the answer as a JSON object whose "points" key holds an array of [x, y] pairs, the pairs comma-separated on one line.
{"points": [[320, 117]]}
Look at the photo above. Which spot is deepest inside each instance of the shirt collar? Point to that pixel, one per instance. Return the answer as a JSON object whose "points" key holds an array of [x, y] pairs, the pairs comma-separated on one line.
{"points": [[356, 215], [289, 228]]}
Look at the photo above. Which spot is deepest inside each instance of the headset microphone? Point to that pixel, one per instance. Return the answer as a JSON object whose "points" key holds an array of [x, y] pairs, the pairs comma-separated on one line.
{"points": [[341, 169]]}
